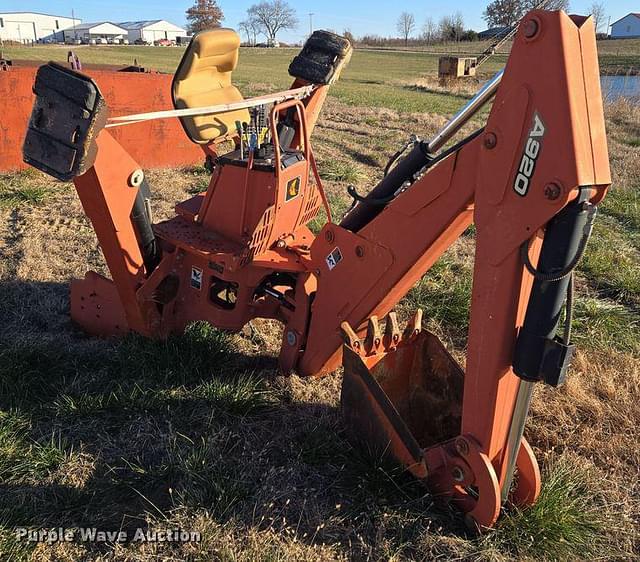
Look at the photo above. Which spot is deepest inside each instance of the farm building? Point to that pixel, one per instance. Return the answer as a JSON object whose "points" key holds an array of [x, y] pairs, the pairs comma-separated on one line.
{"points": [[26, 27], [96, 30], [627, 27], [152, 30]]}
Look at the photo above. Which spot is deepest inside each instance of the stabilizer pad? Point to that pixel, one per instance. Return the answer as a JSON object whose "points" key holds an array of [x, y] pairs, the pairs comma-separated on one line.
{"points": [[322, 58], [68, 113], [96, 306]]}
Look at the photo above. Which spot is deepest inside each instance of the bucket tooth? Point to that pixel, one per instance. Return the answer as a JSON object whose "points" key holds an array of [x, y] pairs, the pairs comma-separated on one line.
{"points": [[373, 341], [351, 339], [392, 333], [414, 326]]}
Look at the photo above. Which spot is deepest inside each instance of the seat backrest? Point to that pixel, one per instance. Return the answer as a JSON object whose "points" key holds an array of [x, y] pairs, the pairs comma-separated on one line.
{"points": [[203, 78]]}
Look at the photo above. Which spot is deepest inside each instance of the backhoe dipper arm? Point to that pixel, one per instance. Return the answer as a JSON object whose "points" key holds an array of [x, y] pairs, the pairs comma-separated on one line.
{"points": [[541, 160]]}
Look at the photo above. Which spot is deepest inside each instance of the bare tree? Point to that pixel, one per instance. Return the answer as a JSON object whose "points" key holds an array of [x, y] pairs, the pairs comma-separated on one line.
{"points": [[429, 30], [503, 13], [349, 37], [528, 5], [506, 13], [251, 27], [406, 25], [599, 15], [451, 28], [204, 14], [272, 17], [458, 25]]}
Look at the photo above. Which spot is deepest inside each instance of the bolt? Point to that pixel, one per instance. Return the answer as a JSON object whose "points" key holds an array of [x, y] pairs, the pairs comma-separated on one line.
{"points": [[360, 251], [136, 178], [458, 474], [462, 447], [281, 244], [531, 29], [329, 236], [490, 141], [291, 338], [552, 191]]}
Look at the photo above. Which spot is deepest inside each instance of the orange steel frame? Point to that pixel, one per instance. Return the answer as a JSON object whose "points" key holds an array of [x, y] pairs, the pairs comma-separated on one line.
{"points": [[226, 233]]}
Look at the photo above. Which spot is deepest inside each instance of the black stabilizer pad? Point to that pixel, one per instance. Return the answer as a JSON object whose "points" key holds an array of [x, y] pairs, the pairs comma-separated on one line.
{"points": [[321, 58], [68, 113]]}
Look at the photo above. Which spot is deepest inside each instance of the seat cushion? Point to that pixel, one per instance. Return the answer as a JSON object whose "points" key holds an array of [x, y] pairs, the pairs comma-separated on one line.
{"points": [[203, 78]]}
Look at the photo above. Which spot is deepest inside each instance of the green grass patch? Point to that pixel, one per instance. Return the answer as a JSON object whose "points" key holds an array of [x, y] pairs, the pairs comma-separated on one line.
{"points": [[13, 195], [603, 325], [569, 522], [13, 549], [131, 373], [236, 395], [239, 395], [612, 263], [340, 171], [23, 459], [201, 179], [624, 206], [200, 351], [205, 475], [116, 402], [444, 294]]}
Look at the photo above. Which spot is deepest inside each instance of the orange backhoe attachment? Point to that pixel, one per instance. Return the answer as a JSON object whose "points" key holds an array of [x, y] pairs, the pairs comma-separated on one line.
{"points": [[402, 398], [530, 180]]}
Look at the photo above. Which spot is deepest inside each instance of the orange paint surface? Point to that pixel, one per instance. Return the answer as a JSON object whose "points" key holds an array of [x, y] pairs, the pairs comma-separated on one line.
{"points": [[156, 144]]}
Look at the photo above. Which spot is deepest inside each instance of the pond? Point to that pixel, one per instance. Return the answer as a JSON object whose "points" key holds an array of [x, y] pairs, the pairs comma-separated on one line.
{"points": [[616, 87]]}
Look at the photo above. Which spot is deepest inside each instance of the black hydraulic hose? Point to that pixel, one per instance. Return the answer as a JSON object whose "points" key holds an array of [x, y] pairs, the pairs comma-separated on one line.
{"points": [[404, 171], [370, 206]]}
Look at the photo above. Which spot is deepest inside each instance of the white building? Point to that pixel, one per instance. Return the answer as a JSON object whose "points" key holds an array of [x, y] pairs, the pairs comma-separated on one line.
{"points": [[26, 27], [152, 30], [96, 30], [627, 27]]}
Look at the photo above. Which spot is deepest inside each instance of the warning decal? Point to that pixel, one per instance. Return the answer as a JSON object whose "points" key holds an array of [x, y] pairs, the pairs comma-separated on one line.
{"points": [[293, 189], [334, 258], [196, 278]]}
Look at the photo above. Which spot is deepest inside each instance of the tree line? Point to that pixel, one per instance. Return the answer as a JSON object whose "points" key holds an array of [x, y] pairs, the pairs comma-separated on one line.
{"points": [[448, 28], [266, 18], [498, 14]]}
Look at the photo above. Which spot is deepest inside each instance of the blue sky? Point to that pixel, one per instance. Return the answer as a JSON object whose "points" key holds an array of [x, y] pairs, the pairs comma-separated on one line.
{"points": [[361, 17]]}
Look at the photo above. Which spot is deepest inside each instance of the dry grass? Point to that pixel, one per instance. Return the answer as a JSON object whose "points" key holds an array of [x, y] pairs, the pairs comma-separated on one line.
{"points": [[201, 433]]}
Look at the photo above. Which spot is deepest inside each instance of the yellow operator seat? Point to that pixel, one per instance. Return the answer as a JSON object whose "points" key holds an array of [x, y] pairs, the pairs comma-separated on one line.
{"points": [[203, 78]]}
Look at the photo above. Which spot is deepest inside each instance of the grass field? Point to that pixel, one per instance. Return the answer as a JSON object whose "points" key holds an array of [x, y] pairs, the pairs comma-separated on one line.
{"points": [[201, 433]]}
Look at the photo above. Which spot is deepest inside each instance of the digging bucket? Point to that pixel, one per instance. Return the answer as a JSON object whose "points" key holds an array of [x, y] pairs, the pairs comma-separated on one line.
{"points": [[402, 391]]}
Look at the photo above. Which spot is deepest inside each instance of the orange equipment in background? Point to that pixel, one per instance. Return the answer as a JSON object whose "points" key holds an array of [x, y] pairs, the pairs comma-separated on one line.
{"points": [[530, 180], [128, 90]]}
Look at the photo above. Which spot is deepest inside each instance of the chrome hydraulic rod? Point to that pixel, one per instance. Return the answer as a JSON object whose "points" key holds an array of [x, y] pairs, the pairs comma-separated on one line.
{"points": [[421, 156], [465, 114], [518, 421]]}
